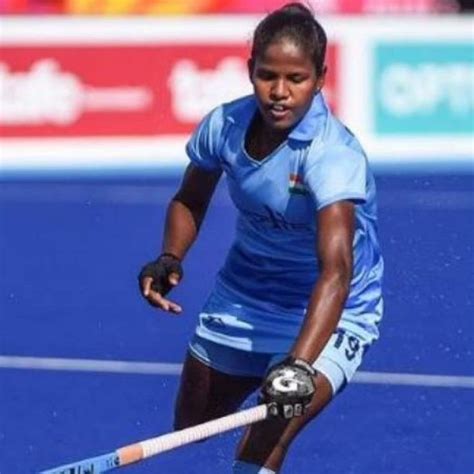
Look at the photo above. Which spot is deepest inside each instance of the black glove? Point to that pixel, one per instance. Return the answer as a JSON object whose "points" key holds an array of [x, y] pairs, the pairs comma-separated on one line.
{"points": [[288, 388], [160, 270]]}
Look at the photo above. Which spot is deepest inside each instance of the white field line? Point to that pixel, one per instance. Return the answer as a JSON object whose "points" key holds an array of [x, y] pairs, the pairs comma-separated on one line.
{"points": [[89, 365], [159, 368], [422, 380]]}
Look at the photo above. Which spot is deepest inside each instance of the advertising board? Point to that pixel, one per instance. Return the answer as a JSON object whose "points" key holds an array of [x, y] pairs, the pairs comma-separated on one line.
{"points": [[127, 92], [424, 87], [120, 90]]}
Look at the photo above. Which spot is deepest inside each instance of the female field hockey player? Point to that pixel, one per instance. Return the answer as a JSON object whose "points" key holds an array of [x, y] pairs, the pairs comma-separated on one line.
{"points": [[298, 298]]}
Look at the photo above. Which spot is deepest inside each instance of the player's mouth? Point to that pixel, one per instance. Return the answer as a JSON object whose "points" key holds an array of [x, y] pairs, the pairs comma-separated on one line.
{"points": [[278, 112]]}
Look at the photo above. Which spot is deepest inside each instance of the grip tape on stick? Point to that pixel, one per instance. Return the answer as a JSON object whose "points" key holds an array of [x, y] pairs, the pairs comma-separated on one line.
{"points": [[167, 442]]}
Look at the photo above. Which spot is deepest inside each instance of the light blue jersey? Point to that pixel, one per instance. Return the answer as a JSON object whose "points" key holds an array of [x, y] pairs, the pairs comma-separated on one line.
{"points": [[262, 291]]}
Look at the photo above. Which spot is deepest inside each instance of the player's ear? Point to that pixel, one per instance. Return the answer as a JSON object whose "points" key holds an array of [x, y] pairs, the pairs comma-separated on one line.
{"points": [[250, 67], [321, 80]]}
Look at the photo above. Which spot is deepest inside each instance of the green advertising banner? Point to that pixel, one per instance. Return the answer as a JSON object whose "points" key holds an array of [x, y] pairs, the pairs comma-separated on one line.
{"points": [[424, 88]]}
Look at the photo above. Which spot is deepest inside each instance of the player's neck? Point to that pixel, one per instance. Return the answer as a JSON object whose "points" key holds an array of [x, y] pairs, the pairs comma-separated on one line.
{"points": [[261, 140]]}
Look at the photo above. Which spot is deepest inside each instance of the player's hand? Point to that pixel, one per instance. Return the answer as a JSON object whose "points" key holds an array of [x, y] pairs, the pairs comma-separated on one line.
{"points": [[157, 278], [288, 388]]}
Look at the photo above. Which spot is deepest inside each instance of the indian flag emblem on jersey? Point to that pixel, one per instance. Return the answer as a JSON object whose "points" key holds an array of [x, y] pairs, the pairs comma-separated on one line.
{"points": [[296, 185]]}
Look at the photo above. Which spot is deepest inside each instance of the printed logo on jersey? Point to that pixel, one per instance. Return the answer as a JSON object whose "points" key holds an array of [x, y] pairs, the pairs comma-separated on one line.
{"points": [[275, 220], [296, 185]]}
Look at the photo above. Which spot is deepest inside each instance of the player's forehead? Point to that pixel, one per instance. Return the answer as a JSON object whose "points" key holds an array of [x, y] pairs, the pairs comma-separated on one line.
{"points": [[284, 52]]}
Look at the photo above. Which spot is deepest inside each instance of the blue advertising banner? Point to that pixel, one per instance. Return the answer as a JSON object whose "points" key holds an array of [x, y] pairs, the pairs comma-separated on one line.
{"points": [[424, 88]]}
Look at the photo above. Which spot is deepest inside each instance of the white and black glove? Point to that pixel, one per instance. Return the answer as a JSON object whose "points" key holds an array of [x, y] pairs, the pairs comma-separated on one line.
{"points": [[288, 388]]}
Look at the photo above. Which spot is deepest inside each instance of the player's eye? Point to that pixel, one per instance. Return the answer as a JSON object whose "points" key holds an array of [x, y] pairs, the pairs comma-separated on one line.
{"points": [[296, 78], [265, 74]]}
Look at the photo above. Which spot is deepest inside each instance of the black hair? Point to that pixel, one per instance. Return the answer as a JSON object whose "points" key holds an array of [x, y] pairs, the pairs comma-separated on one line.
{"points": [[296, 22]]}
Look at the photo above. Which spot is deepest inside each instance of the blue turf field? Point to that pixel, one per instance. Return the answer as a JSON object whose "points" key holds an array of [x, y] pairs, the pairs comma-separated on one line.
{"points": [[70, 252]]}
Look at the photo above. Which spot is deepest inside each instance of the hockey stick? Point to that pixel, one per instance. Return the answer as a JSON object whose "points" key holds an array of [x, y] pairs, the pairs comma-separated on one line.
{"points": [[144, 449]]}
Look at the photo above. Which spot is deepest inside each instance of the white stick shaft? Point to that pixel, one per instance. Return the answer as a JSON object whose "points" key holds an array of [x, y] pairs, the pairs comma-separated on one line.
{"points": [[205, 430]]}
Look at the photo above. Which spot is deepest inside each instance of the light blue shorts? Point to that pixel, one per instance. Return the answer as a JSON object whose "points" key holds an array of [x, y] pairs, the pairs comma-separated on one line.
{"points": [[338, 361]]}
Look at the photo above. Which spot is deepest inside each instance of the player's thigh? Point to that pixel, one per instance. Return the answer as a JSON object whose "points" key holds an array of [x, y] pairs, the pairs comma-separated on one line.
{"points": [[206, 393]]}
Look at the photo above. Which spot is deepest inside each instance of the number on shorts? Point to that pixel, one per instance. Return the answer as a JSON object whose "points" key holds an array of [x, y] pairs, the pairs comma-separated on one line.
{"points": [[353, 344]]}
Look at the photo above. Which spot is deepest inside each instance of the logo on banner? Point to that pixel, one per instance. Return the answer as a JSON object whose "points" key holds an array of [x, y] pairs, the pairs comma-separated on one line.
{"points": [[424, 88], [46, 94], [195, 91]]}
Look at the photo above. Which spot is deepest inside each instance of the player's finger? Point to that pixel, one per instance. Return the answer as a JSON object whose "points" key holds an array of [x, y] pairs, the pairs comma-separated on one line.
{"points": [[171, 306], [174, 307], [173, 278], [155, 299], [146, 285]]}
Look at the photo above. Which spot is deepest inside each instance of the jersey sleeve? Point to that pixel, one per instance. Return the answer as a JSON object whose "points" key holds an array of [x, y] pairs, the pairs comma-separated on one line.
{"points": [[337, 174], [204, 145]]}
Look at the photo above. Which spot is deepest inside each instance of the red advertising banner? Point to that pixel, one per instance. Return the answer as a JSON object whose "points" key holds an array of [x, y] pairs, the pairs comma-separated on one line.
{"points": [[122, 90]]}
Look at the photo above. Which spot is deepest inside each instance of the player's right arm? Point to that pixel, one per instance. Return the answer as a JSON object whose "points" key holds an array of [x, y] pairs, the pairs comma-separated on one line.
{"points": [[185, 214]]}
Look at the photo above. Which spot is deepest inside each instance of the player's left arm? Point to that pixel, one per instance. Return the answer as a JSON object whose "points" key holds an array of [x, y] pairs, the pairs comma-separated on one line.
{"points": [[336, 227], [289, 386]]}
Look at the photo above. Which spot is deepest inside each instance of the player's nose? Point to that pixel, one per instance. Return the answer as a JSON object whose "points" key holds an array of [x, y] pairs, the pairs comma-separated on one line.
{"points": [[279, 90]]}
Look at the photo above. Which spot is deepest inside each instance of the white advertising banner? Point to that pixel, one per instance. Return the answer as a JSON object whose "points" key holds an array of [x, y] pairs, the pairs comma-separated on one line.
{"points": [[111, 94]]}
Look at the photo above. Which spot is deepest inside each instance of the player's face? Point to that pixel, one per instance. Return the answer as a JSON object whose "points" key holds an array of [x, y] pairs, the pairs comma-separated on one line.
{"points": [[285, 81]]}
